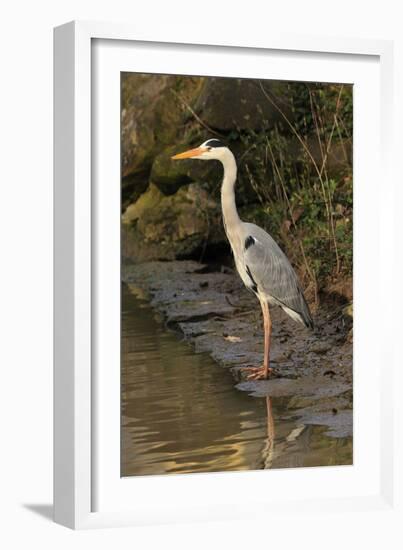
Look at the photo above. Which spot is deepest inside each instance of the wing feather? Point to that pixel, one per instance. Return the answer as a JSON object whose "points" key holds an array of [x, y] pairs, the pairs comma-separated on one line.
{"points": [[273, 274]]}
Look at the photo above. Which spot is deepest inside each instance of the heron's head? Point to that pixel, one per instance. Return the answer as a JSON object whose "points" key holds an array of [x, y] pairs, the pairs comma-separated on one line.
{"points": [[209, 150]]}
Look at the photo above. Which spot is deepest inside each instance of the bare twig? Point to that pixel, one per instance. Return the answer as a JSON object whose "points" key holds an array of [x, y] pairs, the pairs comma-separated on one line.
{"points": [[334, 126], [295, 132], [320, 130], [255, 187], [199, 120], [347, 160]]}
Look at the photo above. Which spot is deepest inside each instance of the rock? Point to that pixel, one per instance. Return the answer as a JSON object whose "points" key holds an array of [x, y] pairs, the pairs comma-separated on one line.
{"points": [[167, 227], [227, 104], [169, 175], [348, 311], [320, 348], [151, 119]]}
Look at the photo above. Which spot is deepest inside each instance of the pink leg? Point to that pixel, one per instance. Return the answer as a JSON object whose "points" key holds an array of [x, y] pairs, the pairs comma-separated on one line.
{"points": [[259, 373]]}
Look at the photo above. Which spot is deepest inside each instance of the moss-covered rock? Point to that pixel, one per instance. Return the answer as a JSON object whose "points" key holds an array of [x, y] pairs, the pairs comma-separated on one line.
{"points": [[169, 175], [152, 111], [167, 227]]}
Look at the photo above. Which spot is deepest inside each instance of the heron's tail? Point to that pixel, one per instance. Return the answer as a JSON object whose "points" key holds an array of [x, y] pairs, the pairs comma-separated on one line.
{"points": [[303, 315], [306, 316]]}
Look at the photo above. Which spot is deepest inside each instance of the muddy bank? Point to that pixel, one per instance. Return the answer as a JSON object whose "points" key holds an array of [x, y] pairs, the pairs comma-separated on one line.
{"points": [[214, 312]]}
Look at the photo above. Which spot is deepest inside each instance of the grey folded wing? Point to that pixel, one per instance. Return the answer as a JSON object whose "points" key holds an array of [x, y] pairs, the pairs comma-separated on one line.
{"points": [[273, 275]]}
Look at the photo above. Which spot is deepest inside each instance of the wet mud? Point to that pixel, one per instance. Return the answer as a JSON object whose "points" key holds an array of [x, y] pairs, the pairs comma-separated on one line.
{"points": [[212, 310]]}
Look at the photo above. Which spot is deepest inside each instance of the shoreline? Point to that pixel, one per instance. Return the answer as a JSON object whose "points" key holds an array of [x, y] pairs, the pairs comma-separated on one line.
{"points": [[218, 316]]}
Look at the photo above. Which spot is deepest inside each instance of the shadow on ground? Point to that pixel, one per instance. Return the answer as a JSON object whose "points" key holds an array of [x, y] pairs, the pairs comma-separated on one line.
{"points": [[44, 510]]}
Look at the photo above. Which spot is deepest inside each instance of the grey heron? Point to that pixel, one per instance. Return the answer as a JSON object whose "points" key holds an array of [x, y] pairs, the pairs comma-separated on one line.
{"points": [[260, 262]]}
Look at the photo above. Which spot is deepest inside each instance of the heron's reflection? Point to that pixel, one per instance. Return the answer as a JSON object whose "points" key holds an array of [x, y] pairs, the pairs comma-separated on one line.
{"points": [[268, 449], [271, 450]]}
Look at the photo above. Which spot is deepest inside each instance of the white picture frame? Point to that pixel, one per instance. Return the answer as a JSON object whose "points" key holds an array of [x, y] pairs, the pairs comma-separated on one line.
{"points": [[80, 476]]}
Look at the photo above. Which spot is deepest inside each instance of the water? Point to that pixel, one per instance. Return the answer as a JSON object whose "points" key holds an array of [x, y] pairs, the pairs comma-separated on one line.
{"points": [[182, 413]]}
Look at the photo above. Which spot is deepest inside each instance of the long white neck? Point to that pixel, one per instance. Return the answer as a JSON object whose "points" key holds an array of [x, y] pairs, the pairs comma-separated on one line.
{"points": [[228, 205]]}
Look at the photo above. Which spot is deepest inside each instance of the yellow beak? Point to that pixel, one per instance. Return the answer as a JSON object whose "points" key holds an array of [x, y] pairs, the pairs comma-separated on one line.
{"points": [[190, 153]]}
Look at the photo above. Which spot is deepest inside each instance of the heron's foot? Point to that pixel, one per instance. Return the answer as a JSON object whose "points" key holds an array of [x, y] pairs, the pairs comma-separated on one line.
{"points": [[257, 373]]}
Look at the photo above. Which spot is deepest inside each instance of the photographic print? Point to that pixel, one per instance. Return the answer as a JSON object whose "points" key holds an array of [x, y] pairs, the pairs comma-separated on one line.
{"points": [[237, 269]]}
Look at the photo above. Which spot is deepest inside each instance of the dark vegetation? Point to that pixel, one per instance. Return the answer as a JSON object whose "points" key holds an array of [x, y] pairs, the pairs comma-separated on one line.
{"points": [[293, 143]]}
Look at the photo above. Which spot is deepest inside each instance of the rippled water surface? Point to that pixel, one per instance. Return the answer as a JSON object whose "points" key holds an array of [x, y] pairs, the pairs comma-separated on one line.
{"points": [[182, 413]]}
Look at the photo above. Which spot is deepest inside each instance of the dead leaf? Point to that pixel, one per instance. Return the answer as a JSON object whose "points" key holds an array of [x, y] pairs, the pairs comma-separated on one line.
{"points": [[233, 339]]}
